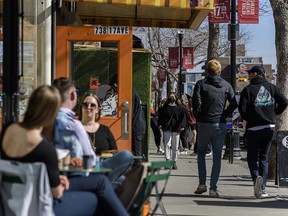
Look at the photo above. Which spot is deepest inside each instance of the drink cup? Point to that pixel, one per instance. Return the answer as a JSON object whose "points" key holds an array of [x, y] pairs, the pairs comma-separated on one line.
{"points": [[87, 161], [60, 164], [66, 162]]}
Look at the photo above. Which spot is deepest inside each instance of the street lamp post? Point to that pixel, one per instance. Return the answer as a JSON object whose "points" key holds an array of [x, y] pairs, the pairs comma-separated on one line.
{"points": [[233, 139], [233, 44], [180, 36]]}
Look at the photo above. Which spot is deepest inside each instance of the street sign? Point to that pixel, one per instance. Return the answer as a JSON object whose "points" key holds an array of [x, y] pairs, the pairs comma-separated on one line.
{"points": [[114, 30]]}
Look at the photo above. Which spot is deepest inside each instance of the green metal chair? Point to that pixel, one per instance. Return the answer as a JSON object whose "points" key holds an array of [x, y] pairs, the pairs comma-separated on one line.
{"points": [[158, 171]]}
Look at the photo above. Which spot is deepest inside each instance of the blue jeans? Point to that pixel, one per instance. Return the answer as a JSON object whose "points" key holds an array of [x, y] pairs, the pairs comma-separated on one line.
{"points": [[214, 133], [258, 147], [119, 164], [75, 203], [109, 203]]}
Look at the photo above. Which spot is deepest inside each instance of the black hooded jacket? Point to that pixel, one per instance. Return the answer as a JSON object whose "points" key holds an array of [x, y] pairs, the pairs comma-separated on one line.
{"points": [[209, 100], [260, 102]]}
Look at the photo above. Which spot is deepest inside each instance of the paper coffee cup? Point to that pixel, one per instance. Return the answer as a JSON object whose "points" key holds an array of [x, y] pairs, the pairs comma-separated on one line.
{"points": [[66, 162]]}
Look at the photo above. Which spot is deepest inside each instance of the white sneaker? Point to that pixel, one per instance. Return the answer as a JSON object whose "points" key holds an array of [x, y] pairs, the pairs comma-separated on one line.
{"points": [[208, 154], [213, 193], [184, 152], [160, 151], [257, 187], [264, 194]]}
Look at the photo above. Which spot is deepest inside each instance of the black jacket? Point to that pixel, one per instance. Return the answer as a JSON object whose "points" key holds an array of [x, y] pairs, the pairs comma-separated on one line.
{"points": [[172, 118], [260, 102], [138, 116], [209, 99]]}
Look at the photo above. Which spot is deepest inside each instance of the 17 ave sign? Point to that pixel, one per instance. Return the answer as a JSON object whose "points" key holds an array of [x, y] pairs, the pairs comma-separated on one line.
{"points": [[119, 30]]}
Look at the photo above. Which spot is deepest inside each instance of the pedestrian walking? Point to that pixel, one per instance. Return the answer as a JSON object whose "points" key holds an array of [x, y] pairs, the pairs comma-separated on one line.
{"points": [[260, 102], [209, 100], [172, 121], [156, 130], [138, 126], [184, 135]]}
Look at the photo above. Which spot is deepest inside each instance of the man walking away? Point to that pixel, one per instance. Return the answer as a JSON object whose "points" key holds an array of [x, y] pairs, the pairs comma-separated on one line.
{"points": [[209, 100], [260, 102]]}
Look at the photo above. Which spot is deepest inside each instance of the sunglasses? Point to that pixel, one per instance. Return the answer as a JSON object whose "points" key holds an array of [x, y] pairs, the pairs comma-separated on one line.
{"points": [[86, 105]]}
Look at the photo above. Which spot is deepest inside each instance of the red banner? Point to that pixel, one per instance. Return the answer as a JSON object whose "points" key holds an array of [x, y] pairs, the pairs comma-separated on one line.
{"points": [[248, 11], [173, 57], [221, 12], [188, 57], [161, 75]]}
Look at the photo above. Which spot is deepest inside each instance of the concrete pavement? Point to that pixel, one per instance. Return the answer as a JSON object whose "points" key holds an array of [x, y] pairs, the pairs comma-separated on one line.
{"points": [[235, 188]]}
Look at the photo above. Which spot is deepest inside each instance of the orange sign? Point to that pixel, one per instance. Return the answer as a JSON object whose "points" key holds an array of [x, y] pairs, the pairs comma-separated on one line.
{"points": [[94, 82]]}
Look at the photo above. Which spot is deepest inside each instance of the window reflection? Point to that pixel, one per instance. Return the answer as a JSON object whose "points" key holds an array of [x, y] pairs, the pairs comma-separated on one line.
{"points": [[95, 69]]}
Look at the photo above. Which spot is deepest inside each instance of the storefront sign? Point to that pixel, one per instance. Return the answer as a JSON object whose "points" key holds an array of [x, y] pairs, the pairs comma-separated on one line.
{"points": [[118, 30], [221, 12], [94, 83], [248, 11]]}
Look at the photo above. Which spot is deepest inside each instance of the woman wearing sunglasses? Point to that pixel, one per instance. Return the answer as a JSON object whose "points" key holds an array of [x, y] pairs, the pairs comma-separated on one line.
{"points": [[102, 138]]}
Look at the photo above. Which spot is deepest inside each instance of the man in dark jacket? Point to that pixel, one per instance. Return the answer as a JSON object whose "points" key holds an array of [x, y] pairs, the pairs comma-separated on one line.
{"points": [[138, 125], [260, 102], [209, 100]]}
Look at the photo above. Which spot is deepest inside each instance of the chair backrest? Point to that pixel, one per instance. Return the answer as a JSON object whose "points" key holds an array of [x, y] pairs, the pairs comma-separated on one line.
{"points": [[157, 171], [24, 189], [134, 179]]}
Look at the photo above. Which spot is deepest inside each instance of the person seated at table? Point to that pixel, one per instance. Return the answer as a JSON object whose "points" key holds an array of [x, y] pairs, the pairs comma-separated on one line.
{"points": [[23, 142], [75, 135], [100, 135]]}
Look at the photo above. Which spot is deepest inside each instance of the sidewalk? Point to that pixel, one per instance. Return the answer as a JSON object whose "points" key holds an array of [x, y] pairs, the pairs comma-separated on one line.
{"points": [[235, 188]]}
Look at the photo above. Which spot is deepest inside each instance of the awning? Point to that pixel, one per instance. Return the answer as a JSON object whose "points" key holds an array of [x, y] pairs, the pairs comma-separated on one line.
{"points": [[146, 13]]}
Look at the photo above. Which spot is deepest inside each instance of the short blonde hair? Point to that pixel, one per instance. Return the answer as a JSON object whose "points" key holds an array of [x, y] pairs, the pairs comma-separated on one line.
{"points": [[43, 106], [213, 67]]}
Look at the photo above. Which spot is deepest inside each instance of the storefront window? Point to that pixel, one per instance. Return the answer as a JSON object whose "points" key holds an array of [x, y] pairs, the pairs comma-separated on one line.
{"points": [[95, 69]]}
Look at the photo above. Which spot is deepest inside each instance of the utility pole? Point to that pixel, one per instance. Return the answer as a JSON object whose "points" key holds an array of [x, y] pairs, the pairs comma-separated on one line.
{"points": [[180, 36], [233, 44]]}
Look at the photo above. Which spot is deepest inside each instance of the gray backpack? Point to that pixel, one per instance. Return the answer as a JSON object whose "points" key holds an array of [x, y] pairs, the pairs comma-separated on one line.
{"points": [[24, 189]]}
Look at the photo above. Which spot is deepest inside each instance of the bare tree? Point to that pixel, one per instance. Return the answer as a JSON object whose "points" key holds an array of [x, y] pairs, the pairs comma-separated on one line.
{"points": [[280, 14], [213, 39]]}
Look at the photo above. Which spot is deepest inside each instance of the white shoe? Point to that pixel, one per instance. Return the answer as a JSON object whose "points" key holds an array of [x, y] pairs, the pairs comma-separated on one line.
{"points": [[208, 154], [264, 194], [213, 193], [160, 151], [258, 187], [184, 152]]}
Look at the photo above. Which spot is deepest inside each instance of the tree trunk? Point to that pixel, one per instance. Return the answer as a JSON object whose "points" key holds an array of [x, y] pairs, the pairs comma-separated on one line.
{"points": [[213, 44], [280, 13]]}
